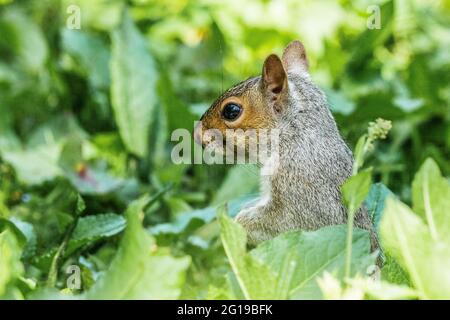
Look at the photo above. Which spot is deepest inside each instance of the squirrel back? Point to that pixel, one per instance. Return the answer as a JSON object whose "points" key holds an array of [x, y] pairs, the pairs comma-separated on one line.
{"points": [[313, 161]]}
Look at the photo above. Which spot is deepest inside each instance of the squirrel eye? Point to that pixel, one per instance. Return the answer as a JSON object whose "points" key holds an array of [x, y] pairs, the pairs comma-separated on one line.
{"points": [[231, 111]]}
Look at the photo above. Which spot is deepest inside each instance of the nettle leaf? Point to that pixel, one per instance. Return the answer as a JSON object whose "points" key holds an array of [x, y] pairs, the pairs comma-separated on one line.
{"points": [[133, 86], [88, 231], [139, 270], [356, 188], [307, 255], [93, 228], [431, 199], [255, 279], [407, 238], [10, 266]]}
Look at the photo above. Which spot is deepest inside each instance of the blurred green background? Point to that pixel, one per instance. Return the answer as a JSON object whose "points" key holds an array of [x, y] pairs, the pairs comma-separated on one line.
{"points": [[90, 111]]}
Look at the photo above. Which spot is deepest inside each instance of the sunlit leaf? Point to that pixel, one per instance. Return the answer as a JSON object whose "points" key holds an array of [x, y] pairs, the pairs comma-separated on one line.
{"points": [[133, 89]]}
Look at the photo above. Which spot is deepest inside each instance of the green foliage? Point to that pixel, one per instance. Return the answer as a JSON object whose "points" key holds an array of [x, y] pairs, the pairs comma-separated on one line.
{"points": [[10, 265], [289, 265], [413, 238], [88, 114], [139, 270], [133, 86]]}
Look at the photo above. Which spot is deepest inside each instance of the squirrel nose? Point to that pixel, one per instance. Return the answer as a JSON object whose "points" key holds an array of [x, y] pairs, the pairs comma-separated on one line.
{"points": [[198, 133]]}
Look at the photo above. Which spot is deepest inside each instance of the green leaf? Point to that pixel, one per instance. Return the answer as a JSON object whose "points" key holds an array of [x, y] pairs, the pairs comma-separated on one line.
{"points": [[381, 290], [255, 279], [406, 237], [365, 44], [356, 188], [137, 271], [375, 202], [178, 114], [56, 131], [84, 177], [407, 104], [312, 253], [241, 179], [93, 228], [431, 199], [91, 54], [25, 37], [394, 273], [133, 90], [35, 166], [88, 231], [187, 222], [37, 162], [339, 103], [10, 266], [26, 236]]}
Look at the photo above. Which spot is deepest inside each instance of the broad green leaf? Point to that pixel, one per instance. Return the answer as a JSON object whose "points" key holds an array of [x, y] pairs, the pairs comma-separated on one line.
{"points": [[56, 131], [83, 176], [406, 237], [387, 291], [139, 270], [20, 33], [408, 104], [35, 166], [187, 222], [356, 188], [133, 86], [311, 254], [91, 54], [431, 199], [368, 288], [178, 114], [375, 202], [37, 161], [241, 179], [10, 266], [28, 235], [255, 279]]}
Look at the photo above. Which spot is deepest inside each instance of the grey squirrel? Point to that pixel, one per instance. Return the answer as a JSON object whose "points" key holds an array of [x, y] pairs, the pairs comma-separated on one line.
{"points": [[314, 161]]}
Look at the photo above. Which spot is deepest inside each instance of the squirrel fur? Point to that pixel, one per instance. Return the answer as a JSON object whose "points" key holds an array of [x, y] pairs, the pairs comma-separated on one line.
{"points": [[314, 161]]}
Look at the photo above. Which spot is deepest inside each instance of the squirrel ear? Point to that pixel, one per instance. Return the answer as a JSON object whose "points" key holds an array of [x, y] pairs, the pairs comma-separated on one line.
{"points": [[294, 57], [273, 74]]}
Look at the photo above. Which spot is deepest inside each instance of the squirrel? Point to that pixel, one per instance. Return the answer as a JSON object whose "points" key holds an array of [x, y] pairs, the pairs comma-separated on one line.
{"points": [[313, 162]]}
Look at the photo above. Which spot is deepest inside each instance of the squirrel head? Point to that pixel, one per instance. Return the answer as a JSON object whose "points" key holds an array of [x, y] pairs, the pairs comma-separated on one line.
{"points": [[258, 102]]}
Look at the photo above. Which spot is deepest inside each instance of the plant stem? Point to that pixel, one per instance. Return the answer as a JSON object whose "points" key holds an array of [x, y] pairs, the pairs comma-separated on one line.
{"points": [[54, 267], [348, 247], [359, 161]]}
